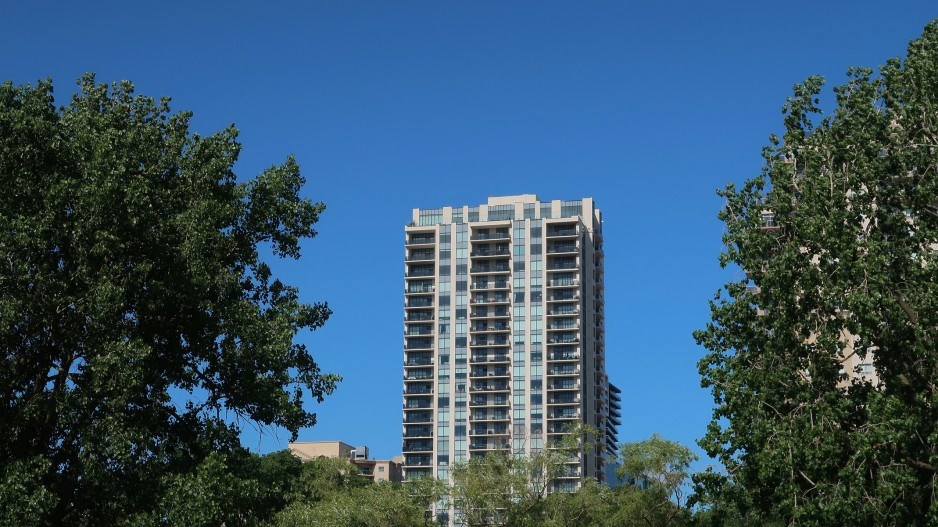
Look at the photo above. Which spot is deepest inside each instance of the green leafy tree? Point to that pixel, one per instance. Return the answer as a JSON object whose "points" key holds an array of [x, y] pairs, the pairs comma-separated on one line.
{"points": [[138, 320], [658, 471], [838, 236], [503, 489]]}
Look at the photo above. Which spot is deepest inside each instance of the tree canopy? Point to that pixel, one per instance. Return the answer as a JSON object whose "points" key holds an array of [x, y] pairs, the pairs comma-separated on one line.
{"points": [[822, 357], [139, 323]]}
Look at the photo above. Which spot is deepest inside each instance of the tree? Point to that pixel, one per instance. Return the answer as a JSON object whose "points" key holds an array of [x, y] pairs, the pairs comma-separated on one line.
{"points": [[838, 240], [658, 470], [139, 324], [504, 489]]}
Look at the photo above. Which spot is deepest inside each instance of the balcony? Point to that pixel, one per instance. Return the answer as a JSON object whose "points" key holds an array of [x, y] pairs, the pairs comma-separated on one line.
{"points": [[418, 330], [418, 417], [419, 316], [483, 359], [497, 268], [565, 309], [419, 362], [490, 286], [497, 372], [418, 446], [418, 301], [417, 404], [502, 235], [485, 328], [420, 272], [418, 431], [564, 399], [489, 342], [421, 239], [564, 296], [417, 375], [563, 264], [486, 431], [494, 416], [560, 371], [568, 385], [562, 248], [418, 390], [490, 313], [485, 401], [419, 344], [570, 282], [564, 415], [563, 356], [493, 387], [561, 232], [558, 326], [484, 299], [410, 461], [419, 289], [483, 253], [421, 256]]}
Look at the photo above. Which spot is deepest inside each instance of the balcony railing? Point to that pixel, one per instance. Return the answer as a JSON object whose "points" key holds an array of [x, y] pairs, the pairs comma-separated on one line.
{"points": [[491, 236], [419, 447], [417, 316], [493, 285], [420, 257], [419, 302], [419, 240], [489, 299], [494, 327], [564, 340], [425, 431], [419, 344], [415, 273], [419, 418], [565, 248], [490, 269], [489, 342], [418, 331], [561, 232], [562, 265], [486, 313], [418, 390], [419, 362], [496, 252], [420, 289], [488, 358], [418, 377]]}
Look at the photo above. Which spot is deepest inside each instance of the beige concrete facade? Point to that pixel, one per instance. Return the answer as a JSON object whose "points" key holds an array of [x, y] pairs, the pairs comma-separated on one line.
{"points": [[504, 334], [376, 469]]}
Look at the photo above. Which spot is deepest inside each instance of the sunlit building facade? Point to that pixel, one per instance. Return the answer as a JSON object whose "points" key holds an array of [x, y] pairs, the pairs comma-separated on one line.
{"points": [[504, 334]]}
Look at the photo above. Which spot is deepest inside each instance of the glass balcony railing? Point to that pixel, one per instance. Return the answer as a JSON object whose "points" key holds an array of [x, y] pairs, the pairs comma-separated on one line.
{"points": [[491, 268], [421, 239], [562, 248], [567, 231], [490, 236]]}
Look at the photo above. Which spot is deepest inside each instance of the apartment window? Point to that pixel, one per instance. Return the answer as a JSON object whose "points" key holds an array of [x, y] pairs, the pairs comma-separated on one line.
{"points": [[430, 216], [529, 211], [473, 214], [545, 211], [571, 208], [380, 469], [501, 212]]}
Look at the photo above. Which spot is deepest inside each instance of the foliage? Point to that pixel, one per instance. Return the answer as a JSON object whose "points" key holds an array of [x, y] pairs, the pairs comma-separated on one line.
{"points": [[847, 268], [138, 321], [506, 489], [660, 469]]}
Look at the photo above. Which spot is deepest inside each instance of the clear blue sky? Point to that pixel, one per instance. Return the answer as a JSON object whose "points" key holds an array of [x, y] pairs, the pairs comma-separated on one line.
{"points": [[646, 106]]}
